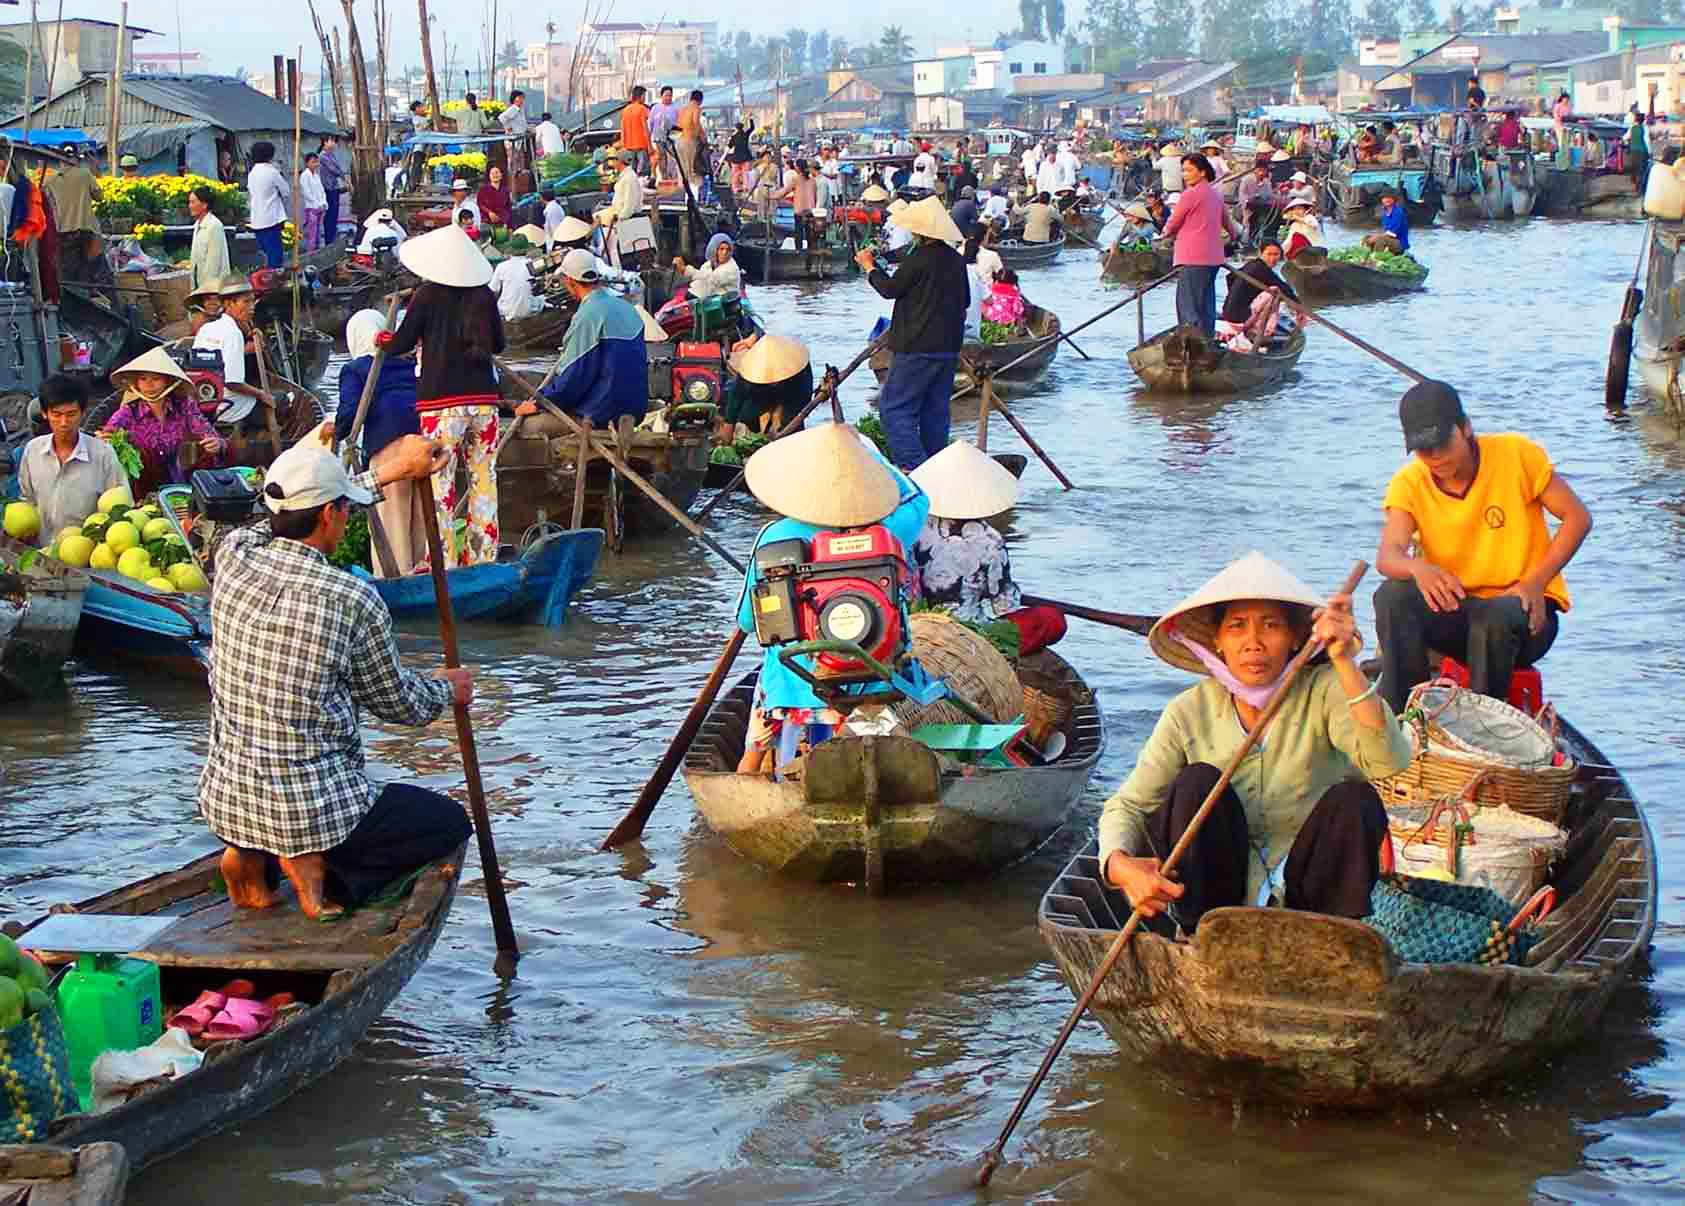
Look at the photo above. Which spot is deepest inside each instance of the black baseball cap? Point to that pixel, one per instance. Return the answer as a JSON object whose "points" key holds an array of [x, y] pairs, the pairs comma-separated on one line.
{"points": [[1429, 412]]}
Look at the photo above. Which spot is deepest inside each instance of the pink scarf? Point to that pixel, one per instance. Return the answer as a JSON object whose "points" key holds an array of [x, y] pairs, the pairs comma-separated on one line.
{"points": [[1256, 696]]}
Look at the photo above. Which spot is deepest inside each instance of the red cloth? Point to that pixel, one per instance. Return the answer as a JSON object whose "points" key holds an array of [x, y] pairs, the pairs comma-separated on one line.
{"points": [[49, 247], [1038, 627]]}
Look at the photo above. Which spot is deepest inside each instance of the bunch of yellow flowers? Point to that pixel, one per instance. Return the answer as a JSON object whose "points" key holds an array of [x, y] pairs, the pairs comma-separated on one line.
{"points": [[148, 231], [471, 162], [156, 197], [491, 108]]}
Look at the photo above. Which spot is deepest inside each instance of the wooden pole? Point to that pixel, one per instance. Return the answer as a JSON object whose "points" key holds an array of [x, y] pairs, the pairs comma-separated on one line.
{"points": [[433, 110], [1392, 363], [983, 413], [114, 85], [579, 466], [369, 385], [269, 398], [502, 927], [29, 74], [1128, 621], [298, 168], [992, 1158]]}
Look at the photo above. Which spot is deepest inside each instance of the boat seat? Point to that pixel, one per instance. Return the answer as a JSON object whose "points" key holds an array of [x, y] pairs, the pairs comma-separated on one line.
{"points": [[1526, 685]]}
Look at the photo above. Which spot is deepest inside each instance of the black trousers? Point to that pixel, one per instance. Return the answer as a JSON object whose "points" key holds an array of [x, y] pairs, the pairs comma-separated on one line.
{"points": [[405, 828], [1331, 868], [1489, 636]]}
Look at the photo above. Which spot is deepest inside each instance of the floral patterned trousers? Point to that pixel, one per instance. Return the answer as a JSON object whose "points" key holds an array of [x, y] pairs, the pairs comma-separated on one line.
{"points": [[469, 434]]}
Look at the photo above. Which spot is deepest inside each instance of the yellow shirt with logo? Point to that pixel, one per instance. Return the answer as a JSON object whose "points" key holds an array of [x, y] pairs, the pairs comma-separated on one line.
{"points": [[1496, 532]]}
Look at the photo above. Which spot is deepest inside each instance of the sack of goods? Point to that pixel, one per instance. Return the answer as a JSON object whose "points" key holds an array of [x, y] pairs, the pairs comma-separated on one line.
{"points": [[1506, 851], [1460, 736]]}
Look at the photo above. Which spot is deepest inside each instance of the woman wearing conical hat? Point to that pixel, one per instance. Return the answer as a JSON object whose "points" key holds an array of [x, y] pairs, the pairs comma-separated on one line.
{"points": [[391, 416], [823, 479], [774, 381], [453, 319], [960, 557], [1300, 818], [160, 414]]}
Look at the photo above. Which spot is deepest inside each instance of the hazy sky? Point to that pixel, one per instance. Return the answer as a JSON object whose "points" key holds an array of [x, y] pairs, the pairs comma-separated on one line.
{"points": [[234, 33]]}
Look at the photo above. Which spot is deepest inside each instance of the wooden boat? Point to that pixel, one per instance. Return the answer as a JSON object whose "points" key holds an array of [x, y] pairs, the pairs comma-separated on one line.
{"points": [[42, 1174], [1317, 278], [922, 824], [1184, 361], [541, 332], [1134, 266], [1355, 190], [128, 621], [333, 305], [536, 583], [345, 975], [1087, 221], [39, 610], [1476, 187], [763, 265], [1018, 255], [974, 355], [1659, 330], [1312, 1010], [114, 335]]}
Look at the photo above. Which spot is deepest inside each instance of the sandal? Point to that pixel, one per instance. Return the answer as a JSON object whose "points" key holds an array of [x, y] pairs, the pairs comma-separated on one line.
{"points": [[195, 1017], [241, 1018]]}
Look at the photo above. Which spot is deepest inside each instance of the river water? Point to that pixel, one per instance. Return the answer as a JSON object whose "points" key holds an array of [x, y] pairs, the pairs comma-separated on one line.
{"points": [[685, 1028]]}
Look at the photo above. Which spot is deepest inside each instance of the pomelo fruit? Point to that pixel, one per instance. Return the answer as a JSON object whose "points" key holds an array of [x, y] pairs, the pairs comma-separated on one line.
{"points": [[75, 549], [155, 528], [74, 530], [187, 576], [136, 563], [102, 558], [11, 1003], [114, 496], [122, 536], [23, 521], [36, 1000], [10, 956], [30, 972], [162, 585], [95, 525]]}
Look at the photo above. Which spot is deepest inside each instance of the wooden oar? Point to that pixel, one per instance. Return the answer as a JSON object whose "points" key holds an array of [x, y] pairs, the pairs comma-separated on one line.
{"points": [[1128, 621], [630, 474], [992, 1158], [507, 952], [1620, 340], [263, 384], [631, 825], [369, 384], [1390, 361]]}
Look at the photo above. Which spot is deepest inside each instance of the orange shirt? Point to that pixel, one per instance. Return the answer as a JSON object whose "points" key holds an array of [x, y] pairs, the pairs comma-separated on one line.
{"points": [[634, 127], [690, 120]]}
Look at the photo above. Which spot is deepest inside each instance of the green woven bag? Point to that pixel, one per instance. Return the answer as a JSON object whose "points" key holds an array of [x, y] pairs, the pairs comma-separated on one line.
{"points": [[35, 1085]]}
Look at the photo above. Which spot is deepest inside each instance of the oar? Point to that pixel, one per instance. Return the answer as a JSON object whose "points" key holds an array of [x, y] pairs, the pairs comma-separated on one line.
{"points": [[1128, 621], [1390, 361], [631, 825], [632, 475], [502, 927], [1620, 340], [825, 391], [369, 384], [992, 1158]]}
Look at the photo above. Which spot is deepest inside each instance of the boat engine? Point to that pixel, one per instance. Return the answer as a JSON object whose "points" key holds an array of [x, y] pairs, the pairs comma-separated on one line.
{"points": [[845, 587], [699, 373], [203, 367]]}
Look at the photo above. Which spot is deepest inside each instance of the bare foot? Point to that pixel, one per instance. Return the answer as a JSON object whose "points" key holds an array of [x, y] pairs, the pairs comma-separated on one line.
{"points": [[247, 878], [308, 873], [753, 762]]}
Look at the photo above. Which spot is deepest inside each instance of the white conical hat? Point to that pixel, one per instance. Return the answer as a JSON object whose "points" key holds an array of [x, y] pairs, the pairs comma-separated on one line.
{"points": [[823, 476], [930, 219], [964, 482], [532, 234], [654, 332], [573, 229], [446, 256], [1254, 576], [874, 192], [774, 358], [157, 360]]}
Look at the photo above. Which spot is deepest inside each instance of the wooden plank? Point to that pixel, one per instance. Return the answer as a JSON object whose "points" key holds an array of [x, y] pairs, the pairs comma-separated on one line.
{"points": [[35, 1161]]}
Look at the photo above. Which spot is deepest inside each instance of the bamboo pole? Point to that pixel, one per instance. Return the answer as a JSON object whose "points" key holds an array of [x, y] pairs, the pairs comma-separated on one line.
{"points": [[427, 63], [114, 86], [293, 82], [29, 74]]}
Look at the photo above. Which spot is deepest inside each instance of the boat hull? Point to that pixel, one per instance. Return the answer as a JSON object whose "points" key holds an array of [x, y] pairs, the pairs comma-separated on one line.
{"points": [[126, 621], [1308, 1010], [996, 357], [1019, 255], [924, 825], [1181, 360], [1135, 267], [537, 586], [541, 332], [1316, 278], [39, 614], [764, 266]]}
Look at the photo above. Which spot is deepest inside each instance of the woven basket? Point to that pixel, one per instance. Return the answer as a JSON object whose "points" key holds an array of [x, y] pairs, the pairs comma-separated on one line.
{"points": [[139, 294], [35, 1084], [169, 294], [1497, 848], [973, 668]]}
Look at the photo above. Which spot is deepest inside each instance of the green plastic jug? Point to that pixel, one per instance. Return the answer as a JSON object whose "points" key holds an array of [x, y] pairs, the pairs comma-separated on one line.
{"points": [[107, 1003]]}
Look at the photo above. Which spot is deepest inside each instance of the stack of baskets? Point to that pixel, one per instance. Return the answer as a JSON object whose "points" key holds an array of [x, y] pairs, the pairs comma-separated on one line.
{"points": [[974, 669]]}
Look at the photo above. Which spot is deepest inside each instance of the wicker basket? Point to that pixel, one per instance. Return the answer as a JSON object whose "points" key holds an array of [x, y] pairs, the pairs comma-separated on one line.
{"points": [[169, 295], [139, 295], [975, 669], [1498, 848]]}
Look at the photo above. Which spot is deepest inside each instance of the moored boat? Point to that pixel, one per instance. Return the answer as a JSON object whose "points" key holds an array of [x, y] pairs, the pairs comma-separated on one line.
{"points": [[926, 823], [1659, 329], [541, 332], [1473, 186], [1136, 265], [1183, 360], [1356, 190], [1041, 342], [129, 621], [764, 264], [1317, 278], [40, 607], [343, 977], [42, 1174], [1017, 254], [536, 583], [1305, 1009]]}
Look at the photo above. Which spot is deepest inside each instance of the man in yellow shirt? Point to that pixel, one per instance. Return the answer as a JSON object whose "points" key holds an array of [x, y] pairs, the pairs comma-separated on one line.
{"points": [[1484, 581]]}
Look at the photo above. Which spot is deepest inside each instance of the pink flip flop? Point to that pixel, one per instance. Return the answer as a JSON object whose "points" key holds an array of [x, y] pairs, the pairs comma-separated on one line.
{"points": [[195, 1017], [241, 1018]]}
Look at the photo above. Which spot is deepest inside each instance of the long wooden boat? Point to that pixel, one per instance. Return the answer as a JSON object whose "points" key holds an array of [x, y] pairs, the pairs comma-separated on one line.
{"points": [[128, 621], [114, 335], [1017, 254], [1041, 343], [43, 1174], [763, 264], [919, 823], [541, 332], [345, 975], [535, 584], [1182, 360], [1312, 1010], [1659, 330], [1136, 265], [1356, 189], [1317, 278], [40, 608]]}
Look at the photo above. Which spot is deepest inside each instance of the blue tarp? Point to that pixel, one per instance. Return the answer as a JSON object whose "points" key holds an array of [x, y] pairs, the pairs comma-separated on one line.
{"points": [[68, 137], [432, 138]]}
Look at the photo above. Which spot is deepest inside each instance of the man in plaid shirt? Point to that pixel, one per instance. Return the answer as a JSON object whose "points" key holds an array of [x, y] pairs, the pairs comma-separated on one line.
{"points": [[297, 647]]}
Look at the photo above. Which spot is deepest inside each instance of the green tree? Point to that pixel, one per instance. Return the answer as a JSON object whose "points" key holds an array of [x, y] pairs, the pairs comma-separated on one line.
{"points": [[511, 56], [894, 44], [1114, 28], [1380, 20], [1168, 30], [1053, 16], [796, 44], [1240, 29], [818, 50], [839, 52], [12, 63], [1421, 15], [1029, 19], [1328, 27]]}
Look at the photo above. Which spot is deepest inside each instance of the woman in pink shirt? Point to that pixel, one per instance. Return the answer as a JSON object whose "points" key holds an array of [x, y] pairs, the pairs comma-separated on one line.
{"points": [[1199, 224]]}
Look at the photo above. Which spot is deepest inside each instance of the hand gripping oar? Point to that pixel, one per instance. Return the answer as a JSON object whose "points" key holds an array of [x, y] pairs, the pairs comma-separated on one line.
{"points": [[502, 927], [1620, 340], [1390, 361], [992, 1158]]}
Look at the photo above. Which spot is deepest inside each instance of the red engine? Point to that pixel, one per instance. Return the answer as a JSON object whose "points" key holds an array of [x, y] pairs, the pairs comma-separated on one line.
{"points": [[848, 588], [699, 373]]}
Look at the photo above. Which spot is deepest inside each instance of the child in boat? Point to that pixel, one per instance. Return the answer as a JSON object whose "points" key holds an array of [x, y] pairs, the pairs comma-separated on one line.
{"points": [[1005, 303]]}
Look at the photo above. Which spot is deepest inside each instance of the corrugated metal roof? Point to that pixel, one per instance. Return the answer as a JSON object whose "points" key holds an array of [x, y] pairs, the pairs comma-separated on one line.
{"points": [[1198, 79], [223, 101]]}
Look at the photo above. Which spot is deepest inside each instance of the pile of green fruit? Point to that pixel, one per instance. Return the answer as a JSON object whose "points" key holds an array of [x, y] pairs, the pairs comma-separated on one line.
{"points": [[137, 542], [738, 453], [23, 985], [1380, 260]]}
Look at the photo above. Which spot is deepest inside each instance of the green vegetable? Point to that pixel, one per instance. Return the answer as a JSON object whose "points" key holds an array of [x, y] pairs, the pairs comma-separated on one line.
{"points": [[36, 1000], [751, 443], [12, 1001], [871, 427], [128, 455], [725, 454], [996, 332], [1380, 260], [354, 545], [9, 956]]}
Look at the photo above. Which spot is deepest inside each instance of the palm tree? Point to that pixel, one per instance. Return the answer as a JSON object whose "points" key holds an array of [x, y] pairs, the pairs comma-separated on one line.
{"points": [[895, 45]]}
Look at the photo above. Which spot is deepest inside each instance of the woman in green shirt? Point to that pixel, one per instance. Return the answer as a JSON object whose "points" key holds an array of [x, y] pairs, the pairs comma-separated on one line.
{"points": [[1299, 819]]}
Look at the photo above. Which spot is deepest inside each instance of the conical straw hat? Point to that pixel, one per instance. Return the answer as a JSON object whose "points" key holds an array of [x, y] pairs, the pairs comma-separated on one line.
{"points": [[930, 219], [774, 358], [532, 234], [446, 256], [874, 192], [573, 229], [1254, 576], [653, 331], [155, 361], [823, 476], [964, 482]]}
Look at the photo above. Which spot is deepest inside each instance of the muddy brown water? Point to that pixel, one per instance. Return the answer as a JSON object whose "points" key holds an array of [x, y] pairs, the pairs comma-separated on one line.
{"points": [[685, 1028]]}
